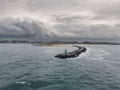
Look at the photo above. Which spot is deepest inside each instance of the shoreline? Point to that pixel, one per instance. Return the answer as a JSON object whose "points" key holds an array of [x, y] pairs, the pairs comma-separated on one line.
{"points": [[69, 44]]}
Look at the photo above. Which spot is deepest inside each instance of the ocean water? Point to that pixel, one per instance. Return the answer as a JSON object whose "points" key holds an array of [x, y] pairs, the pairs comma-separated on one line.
{"points": [[28, 67]]}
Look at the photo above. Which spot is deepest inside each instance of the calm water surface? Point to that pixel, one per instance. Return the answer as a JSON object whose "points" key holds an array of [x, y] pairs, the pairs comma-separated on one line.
{"points": [[27, 67]]}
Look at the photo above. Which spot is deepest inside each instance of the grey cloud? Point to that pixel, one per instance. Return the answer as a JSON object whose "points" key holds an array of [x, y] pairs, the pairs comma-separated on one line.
{"points": [[86, 15], [29, 28], [79, 27], [111, 10], [60, 18], [36, 6], [104, 8], [91, 31], [23, 28]]}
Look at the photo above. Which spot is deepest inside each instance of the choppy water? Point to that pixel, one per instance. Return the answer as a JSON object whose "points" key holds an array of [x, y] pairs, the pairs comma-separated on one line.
{"points": [[27, 67]]}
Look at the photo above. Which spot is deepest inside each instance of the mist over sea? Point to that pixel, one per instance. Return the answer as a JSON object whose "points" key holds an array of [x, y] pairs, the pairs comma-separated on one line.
{"points": [[28, 67]]}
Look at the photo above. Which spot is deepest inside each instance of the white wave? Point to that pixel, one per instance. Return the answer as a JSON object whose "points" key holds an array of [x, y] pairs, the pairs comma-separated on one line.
{"points": [[94, 53], [23, 82], [85, 54]]}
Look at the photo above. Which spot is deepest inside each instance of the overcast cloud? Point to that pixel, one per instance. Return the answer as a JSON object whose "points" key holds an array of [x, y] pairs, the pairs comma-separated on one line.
{"points": [[60, 18]]}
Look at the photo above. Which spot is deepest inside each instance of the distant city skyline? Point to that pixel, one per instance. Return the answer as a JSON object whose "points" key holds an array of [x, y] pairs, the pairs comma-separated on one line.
{"points": [[60, 19]]}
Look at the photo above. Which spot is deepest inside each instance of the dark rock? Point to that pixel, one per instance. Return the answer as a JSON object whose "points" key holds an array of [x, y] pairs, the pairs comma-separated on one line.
{"points": [[72, 54]]}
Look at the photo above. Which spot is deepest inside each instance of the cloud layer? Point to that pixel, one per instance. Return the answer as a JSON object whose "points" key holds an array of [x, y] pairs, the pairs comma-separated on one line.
{"points": [[26, 27], [60, 18]]}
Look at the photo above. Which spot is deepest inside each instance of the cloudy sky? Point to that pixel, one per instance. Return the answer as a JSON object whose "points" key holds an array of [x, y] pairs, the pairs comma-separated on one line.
{"points": [[59, 19]]}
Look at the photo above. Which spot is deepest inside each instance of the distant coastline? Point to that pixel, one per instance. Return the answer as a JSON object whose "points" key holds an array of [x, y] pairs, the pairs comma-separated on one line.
{"points": [[56, 43]]}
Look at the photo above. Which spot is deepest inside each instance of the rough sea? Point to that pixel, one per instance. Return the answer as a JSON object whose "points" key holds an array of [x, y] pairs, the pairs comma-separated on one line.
{"points": [[28, 67]]}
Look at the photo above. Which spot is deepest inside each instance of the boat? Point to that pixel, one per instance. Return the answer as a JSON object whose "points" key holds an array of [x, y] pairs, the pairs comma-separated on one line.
{"points": [[72, 54]]}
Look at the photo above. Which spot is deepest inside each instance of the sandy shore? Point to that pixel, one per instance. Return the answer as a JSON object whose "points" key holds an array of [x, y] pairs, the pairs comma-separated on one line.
{"points": [[55, 44]]}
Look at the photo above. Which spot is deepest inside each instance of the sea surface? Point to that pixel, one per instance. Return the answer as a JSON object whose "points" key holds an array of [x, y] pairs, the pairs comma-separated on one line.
{"points": [[28, 67]]}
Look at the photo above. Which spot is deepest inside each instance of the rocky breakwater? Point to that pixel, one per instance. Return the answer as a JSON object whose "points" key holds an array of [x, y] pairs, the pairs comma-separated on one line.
{"points": [[72, 54]]}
